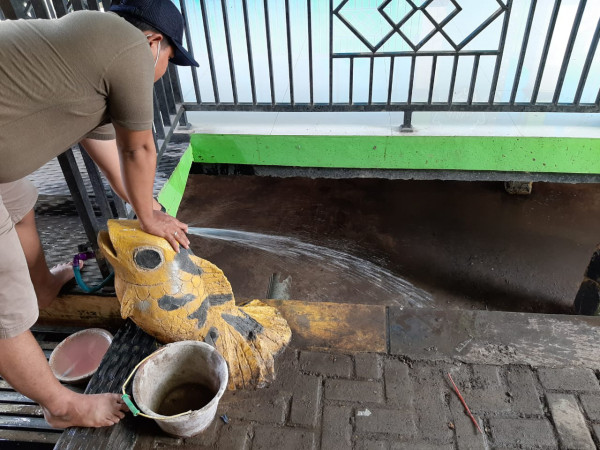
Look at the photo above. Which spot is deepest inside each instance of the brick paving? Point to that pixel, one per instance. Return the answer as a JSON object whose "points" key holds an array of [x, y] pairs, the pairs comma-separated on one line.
{"points": [[375, 401]]}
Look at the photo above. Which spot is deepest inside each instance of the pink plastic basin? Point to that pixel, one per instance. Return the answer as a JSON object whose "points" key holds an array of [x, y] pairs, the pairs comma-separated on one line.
{"points": [[77, 358]]}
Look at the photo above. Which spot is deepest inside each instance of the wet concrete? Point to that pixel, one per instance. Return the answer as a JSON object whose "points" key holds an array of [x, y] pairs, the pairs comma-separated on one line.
{"points": [[469, 244]]}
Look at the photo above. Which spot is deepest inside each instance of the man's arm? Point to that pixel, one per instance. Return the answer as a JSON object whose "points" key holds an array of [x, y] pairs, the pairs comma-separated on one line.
{"points": [[106, 156], [138, 166]]}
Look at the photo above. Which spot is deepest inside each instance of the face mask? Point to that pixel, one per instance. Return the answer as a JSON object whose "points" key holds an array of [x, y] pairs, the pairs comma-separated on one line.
{"points": [[158, 52]]}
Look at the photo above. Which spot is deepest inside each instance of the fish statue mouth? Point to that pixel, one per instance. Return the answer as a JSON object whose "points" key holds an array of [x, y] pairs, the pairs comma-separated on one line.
{"points": [[106, 245]]}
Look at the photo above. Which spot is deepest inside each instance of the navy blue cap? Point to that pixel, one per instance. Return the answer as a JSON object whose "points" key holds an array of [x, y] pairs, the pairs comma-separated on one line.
{"points": [[164, 16]]}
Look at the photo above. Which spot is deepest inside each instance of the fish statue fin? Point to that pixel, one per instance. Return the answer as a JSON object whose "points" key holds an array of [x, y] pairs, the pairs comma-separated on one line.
{"points": [[248, 338]]}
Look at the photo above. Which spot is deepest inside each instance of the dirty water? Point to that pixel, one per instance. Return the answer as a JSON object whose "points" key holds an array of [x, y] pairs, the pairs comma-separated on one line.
{"points": [[469, 245], [295, 251]]}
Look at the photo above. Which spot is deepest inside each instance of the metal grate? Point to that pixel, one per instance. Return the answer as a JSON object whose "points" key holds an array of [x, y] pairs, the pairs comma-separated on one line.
{"points": [[22, 423]]}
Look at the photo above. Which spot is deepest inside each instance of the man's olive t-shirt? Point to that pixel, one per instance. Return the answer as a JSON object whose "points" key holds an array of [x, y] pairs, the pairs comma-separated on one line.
{"points": [[61, 79]]}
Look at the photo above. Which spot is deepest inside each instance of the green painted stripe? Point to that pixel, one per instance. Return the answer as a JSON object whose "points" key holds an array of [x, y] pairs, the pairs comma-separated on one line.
{"points": [[172, 192], [519, 154]]}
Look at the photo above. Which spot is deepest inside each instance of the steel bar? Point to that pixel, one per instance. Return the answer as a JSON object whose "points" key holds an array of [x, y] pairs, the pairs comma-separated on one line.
{"points": [[588, 64], [161, 95], [439, 27], [229, 50], [159, 128], [411, 79], [452, 79], [331, 52], [398, 106], [77, 5], [371, 81], [8, 10], [93, 5], [482, 27], [473, 79], [190, 48], [166, 84], [82, 202], [569, 51], [288, 29], [432, 79], [524, 44], [421, 53], [106, 4], [209, 51], [391, 81], [269, 51], [178, 96], [351, 84], [249, 50], [360, 37], [39, 8], [59, 8], [544, 57], [310, 53], [500, 52], [97, 186]]}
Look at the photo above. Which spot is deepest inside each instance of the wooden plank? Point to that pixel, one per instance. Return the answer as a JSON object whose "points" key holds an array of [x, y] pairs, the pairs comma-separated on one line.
{"points": [[83, 310], [48, 437], [334, 326], [25, 410]]}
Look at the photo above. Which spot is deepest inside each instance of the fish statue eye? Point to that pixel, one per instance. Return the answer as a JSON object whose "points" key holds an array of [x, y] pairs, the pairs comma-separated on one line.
{"points": [[148, 258]]}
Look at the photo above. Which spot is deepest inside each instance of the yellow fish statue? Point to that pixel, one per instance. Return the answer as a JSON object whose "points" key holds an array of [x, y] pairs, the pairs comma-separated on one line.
{"points": [[179, 296]]}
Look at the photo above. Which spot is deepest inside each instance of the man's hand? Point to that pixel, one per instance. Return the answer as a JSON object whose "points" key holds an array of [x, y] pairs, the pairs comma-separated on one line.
{"points": [[167, 227]]}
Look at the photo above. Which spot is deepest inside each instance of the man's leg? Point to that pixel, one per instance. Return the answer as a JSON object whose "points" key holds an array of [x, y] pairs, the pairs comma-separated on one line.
{"points": [[24, 366], [46, 282], [22, 362]]}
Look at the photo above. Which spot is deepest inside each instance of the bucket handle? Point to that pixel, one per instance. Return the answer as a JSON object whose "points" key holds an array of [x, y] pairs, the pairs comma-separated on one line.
{"points": [[131, 405]]}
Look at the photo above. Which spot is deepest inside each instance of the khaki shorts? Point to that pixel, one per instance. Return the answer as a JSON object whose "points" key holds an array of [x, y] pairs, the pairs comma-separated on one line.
{"points": [[18, 303]]}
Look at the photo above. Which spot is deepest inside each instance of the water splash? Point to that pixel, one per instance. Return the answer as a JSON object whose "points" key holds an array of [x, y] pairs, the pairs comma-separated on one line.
{"points": [[349, 264]]}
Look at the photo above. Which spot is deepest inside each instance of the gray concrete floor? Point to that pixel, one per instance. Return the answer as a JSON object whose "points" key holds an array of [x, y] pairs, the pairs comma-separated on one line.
{"points": [[469, 244]]}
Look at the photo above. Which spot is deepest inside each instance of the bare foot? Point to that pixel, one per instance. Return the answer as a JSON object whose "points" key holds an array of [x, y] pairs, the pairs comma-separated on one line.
{"points": [[59, 276], [97, 410]]}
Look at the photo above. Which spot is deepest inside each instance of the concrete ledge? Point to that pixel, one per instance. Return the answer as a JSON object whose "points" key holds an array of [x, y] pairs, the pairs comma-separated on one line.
{"points": [[492, 337]]}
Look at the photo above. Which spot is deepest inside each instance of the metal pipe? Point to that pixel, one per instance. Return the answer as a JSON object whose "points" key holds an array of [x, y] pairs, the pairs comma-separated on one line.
{"points": [[473, 79], [452, 80], [209, 51], [310, 53], [229, 51], [269, 51], [371, 82], [249, 50], [188, 38], [390, 83], [500, 55], [432, 79], [544, 57], [351, 84], [588, 64], [289, 48], [517, 78], [568, 51], [412, 79]]}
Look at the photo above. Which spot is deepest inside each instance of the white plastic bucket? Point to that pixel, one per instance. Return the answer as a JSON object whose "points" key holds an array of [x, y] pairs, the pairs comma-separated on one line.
{"points": [[180, 377]]}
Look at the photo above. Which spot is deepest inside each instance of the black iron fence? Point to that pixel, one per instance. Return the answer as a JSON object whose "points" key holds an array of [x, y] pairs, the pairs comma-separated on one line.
{"points": [[408, 55]]}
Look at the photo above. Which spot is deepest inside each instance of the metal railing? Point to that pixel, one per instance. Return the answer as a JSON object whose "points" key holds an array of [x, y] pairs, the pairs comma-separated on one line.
{"points": [[409, 60]]}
